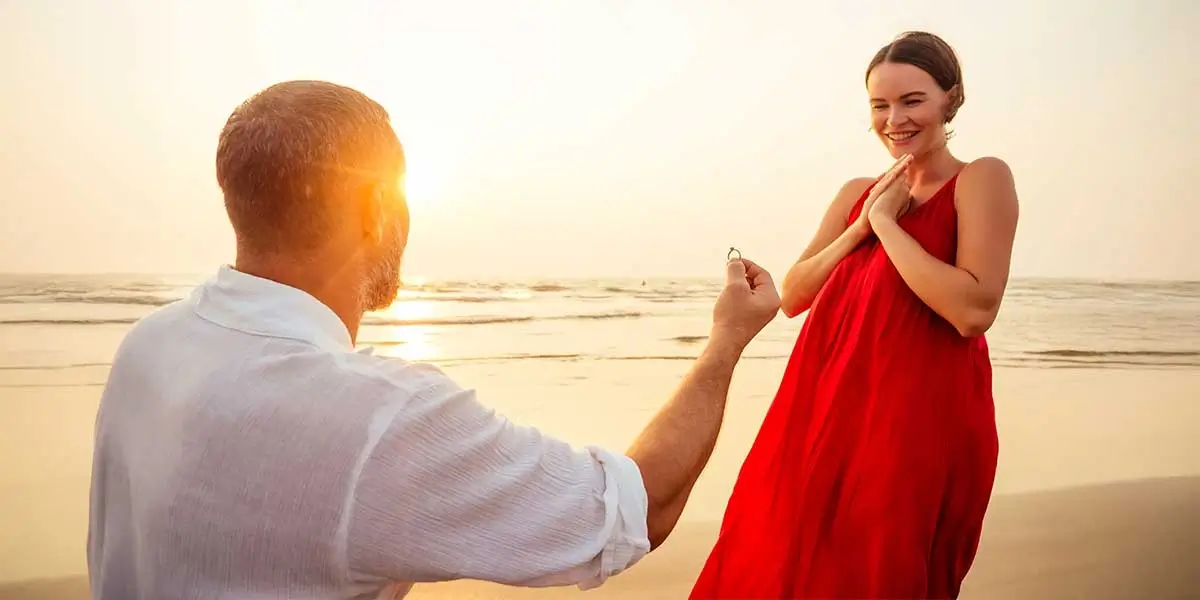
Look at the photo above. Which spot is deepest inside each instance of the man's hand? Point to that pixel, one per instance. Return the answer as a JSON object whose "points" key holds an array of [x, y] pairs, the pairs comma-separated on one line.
{"points": [[748, 302]]}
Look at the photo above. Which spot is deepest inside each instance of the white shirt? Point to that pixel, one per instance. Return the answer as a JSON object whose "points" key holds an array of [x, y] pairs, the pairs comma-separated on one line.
{"points": [[245, 450]]}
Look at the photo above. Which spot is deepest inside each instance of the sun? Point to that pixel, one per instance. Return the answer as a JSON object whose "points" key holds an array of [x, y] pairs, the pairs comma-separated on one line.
{"points": [[416, 189], [426, 173]]}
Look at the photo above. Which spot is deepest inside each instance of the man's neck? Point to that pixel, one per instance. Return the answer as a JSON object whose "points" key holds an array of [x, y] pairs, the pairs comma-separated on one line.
{"points": [[336, 288]]}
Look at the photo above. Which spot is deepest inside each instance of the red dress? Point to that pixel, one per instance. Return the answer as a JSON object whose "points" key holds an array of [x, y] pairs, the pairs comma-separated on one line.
{"points": [[873, 468]]}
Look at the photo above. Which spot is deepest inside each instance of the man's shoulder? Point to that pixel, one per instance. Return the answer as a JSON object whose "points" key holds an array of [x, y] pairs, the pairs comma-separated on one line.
{"points": [[388, 374], [161, 323], [177, 334]]}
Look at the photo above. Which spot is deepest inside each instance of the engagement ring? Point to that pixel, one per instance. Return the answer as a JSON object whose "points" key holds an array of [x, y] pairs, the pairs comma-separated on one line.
{"points": [[732, 251]]}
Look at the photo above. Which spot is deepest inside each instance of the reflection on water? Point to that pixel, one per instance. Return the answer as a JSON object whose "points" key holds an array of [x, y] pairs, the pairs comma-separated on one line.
{"points": [[409, 342]]}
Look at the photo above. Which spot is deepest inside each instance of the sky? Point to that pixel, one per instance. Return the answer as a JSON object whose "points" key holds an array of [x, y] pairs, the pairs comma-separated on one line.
{"points": [[595, 138]]}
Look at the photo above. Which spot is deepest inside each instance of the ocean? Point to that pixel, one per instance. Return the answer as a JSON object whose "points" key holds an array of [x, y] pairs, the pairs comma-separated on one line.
{"points": [[62, 323], [1098, 383]]}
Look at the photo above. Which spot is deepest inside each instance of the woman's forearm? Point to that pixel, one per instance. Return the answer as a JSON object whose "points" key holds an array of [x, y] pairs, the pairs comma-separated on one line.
{"points": [[951, 292], [808, 275]]}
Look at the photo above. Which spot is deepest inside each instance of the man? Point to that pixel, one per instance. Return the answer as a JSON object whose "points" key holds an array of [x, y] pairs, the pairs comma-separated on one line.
{"points": [[244, 449]]}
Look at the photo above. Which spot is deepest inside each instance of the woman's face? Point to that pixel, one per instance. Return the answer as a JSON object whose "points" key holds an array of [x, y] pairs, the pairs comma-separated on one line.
{"points": [[908, 109]]}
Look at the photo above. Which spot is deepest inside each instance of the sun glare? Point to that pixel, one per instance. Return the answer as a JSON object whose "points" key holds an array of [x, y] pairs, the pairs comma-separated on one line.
{"points": [[414, 190], [415, 342], [425, 176]]}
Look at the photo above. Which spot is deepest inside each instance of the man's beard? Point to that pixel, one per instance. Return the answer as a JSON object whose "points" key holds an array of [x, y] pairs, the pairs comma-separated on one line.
{"points": [[384, 284]]}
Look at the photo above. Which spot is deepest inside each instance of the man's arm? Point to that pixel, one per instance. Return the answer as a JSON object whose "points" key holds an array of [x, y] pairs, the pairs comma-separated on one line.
{"points": [[673, 449], [452, 490], [448, 489]]}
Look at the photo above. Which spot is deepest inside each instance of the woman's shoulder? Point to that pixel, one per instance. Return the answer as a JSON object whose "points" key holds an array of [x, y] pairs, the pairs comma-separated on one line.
{"points": [[853, 190], [987, 170], [987, 180], [858, 185], [850, 196]]}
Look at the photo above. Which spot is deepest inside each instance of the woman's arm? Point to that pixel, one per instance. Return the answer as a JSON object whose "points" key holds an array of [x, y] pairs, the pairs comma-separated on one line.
{"points": [[967, 293], [833, 240]]}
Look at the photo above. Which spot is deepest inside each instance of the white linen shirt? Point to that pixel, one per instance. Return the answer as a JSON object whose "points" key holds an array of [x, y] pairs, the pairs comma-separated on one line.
{"points": [[245, 450]]}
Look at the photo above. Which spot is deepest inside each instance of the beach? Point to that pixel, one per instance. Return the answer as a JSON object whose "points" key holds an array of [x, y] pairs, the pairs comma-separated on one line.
{"points": [[1097, 493]]}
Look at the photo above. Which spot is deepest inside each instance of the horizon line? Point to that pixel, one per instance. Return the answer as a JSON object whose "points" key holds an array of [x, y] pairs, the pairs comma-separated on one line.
{"points": [[564, 278]]}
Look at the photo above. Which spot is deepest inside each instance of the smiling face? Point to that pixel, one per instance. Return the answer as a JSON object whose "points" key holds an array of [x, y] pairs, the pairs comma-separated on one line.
{"points": [[908, 109], [915, 89]]}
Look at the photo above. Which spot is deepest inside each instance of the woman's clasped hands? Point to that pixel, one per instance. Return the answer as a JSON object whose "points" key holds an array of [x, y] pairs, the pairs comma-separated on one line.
{"points": [[889, 199]]}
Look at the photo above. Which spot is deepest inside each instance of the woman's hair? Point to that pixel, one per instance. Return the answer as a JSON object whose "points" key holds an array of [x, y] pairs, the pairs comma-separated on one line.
{"points": [[931, 54]]}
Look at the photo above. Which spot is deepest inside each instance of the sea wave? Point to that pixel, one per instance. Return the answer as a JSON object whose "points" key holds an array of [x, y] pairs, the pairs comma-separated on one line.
{"points": [[448, 361], [1100, 354], [81, 365], [89, 298], [1086, 358], [46, 289], [479, 294], [510, 295], [70, 321], [369, 320], [500, 358], [141, 299], [1167, 360], [384, 321]]}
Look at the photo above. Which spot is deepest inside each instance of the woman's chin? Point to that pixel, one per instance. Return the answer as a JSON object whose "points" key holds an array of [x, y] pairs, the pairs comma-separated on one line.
{"points": [[916, 150]]}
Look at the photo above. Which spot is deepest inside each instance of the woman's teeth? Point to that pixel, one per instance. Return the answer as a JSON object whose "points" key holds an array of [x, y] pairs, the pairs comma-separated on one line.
{"points": [[900, 137]]}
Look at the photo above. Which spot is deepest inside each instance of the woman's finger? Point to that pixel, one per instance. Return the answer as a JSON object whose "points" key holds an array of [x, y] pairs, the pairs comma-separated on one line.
{"points": [[892, 174], [899, 165]]}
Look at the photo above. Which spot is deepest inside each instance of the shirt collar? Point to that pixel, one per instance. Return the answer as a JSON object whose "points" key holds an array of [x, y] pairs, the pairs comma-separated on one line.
{"points": [[258, 306]]}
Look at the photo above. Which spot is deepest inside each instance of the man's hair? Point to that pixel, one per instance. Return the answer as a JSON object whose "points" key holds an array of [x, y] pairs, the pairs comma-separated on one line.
{"points": [[290, 151]]}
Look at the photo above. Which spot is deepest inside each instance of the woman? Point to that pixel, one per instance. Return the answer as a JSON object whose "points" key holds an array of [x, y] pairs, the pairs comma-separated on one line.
{"points": [[872, 471]]}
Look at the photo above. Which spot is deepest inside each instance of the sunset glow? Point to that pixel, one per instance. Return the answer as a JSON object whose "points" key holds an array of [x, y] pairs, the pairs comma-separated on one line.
{"points": [[589, 138]]}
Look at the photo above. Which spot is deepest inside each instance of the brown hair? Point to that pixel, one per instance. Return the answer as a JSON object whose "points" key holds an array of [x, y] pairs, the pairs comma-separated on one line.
{"points": [[287, 153], [931, 54]]}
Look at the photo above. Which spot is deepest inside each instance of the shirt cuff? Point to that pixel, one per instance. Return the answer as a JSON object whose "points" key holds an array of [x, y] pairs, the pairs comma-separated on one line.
{"points": [[625, 506]]}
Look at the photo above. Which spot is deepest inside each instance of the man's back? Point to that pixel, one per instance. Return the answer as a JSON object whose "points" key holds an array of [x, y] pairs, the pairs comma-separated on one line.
{"points": [[211, 446], [243, 450]]}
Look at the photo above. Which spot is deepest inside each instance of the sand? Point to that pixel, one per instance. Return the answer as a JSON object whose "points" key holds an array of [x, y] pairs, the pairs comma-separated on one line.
{"points": [[1097, 496], [1120, 541]]}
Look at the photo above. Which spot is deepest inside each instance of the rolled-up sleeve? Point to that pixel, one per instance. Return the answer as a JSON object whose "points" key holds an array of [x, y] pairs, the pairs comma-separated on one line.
{"points": [[448, 489]]}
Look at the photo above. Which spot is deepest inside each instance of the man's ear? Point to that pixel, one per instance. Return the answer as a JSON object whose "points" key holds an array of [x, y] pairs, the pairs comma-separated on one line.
{"points": [[371, 200]]}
